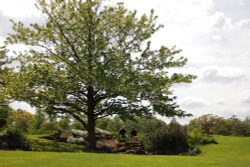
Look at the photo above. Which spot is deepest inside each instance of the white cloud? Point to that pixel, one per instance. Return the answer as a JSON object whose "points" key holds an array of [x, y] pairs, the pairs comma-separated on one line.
{"points": [[214, 36], [193, 102], [215, 22], [224, 75], [22, 105], [243, 23], [219, 102], [19, 8], [246, 100]]}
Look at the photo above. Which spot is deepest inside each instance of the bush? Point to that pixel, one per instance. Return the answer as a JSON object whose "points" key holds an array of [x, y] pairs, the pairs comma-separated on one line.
{"points": [[15, 140], [168, 140], [2, 122], [40, 144], [196, 139]]}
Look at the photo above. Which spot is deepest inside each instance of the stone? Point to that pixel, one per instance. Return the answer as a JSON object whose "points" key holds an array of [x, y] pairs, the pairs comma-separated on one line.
{"points": [[65, 134]]}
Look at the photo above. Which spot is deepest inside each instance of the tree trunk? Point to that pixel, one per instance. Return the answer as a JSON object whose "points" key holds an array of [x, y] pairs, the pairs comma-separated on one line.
{"points": [[91, 119], [91, 133]]}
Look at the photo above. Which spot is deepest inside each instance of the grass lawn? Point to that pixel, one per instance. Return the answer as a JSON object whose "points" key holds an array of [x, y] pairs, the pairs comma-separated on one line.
{"points": [[230, 152]]}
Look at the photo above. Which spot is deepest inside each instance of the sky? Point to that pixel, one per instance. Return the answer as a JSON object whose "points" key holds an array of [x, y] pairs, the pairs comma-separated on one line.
{"points": [[213, 34]]}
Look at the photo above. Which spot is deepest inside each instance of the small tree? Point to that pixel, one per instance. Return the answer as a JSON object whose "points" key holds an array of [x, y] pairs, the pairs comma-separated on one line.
{"points": [[91, 61], [21, 120], [39, 121], [205, 122], [64, 123]]}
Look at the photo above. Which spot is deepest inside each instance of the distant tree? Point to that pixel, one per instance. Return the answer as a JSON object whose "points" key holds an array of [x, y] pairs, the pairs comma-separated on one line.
{"points": [[50, 126], [77, 125], [222, 126], [104, 123], [38, 123], [21, 120], [144, 125], [213, 124], [91, 61], [244, 127], [205, 123], [64, 123], [116, 124]]}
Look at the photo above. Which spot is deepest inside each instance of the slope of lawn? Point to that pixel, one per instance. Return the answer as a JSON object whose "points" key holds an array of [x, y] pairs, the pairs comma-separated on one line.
{"points": [[39, 144], [230, 152]]}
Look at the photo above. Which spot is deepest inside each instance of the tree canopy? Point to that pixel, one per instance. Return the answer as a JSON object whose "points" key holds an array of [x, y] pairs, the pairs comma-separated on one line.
{"points": [[4, 74], [90, 61]]}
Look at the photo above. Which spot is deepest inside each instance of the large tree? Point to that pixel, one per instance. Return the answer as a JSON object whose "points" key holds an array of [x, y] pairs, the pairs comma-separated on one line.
{"points": [[90, 61], [4, 73]]}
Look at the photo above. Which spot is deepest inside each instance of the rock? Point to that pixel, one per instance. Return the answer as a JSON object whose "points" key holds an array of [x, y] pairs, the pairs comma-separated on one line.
{"points": [[65, 134], [104, 132], [76, 140], [130, 148], [122, 149], [80, 133]]}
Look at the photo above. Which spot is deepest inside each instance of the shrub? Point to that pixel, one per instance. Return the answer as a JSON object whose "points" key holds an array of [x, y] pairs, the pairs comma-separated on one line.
{"points": [[2, 122], [53, 146], [196, 139], [15, 140], [168, 140]]}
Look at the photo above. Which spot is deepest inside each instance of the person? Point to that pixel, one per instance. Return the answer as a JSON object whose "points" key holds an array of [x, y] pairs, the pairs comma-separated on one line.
{"points": [[133, 134], [122, 134]]}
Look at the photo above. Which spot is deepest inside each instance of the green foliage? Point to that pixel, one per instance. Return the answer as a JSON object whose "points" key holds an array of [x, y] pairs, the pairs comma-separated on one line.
{"points": [[142, 125], [104, 123], [225, 154], [64, 123], [49, 126], [169, 140], [91, 61], [196, 139], [4, 76], [4, 110], [242, 128], [15, 140], [212, 124], [77, 125], [3, 122], [4, 113], [39, 120], [44, 124], [21, 120], [38, 144]]}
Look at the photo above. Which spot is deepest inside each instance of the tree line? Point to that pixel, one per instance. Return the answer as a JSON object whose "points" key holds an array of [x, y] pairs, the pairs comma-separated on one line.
{"points": [[213, 124], [41, 123]]}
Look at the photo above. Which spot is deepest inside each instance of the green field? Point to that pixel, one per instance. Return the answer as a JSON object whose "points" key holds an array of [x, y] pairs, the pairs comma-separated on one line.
{"points": [[230, 152]]}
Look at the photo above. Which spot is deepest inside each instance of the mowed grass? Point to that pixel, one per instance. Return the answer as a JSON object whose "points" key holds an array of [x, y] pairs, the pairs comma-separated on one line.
{"points": [[230, 152]]}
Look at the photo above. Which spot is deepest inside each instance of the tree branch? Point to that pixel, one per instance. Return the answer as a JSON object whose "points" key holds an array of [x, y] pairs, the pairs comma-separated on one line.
{"points": [[63, 34]]}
